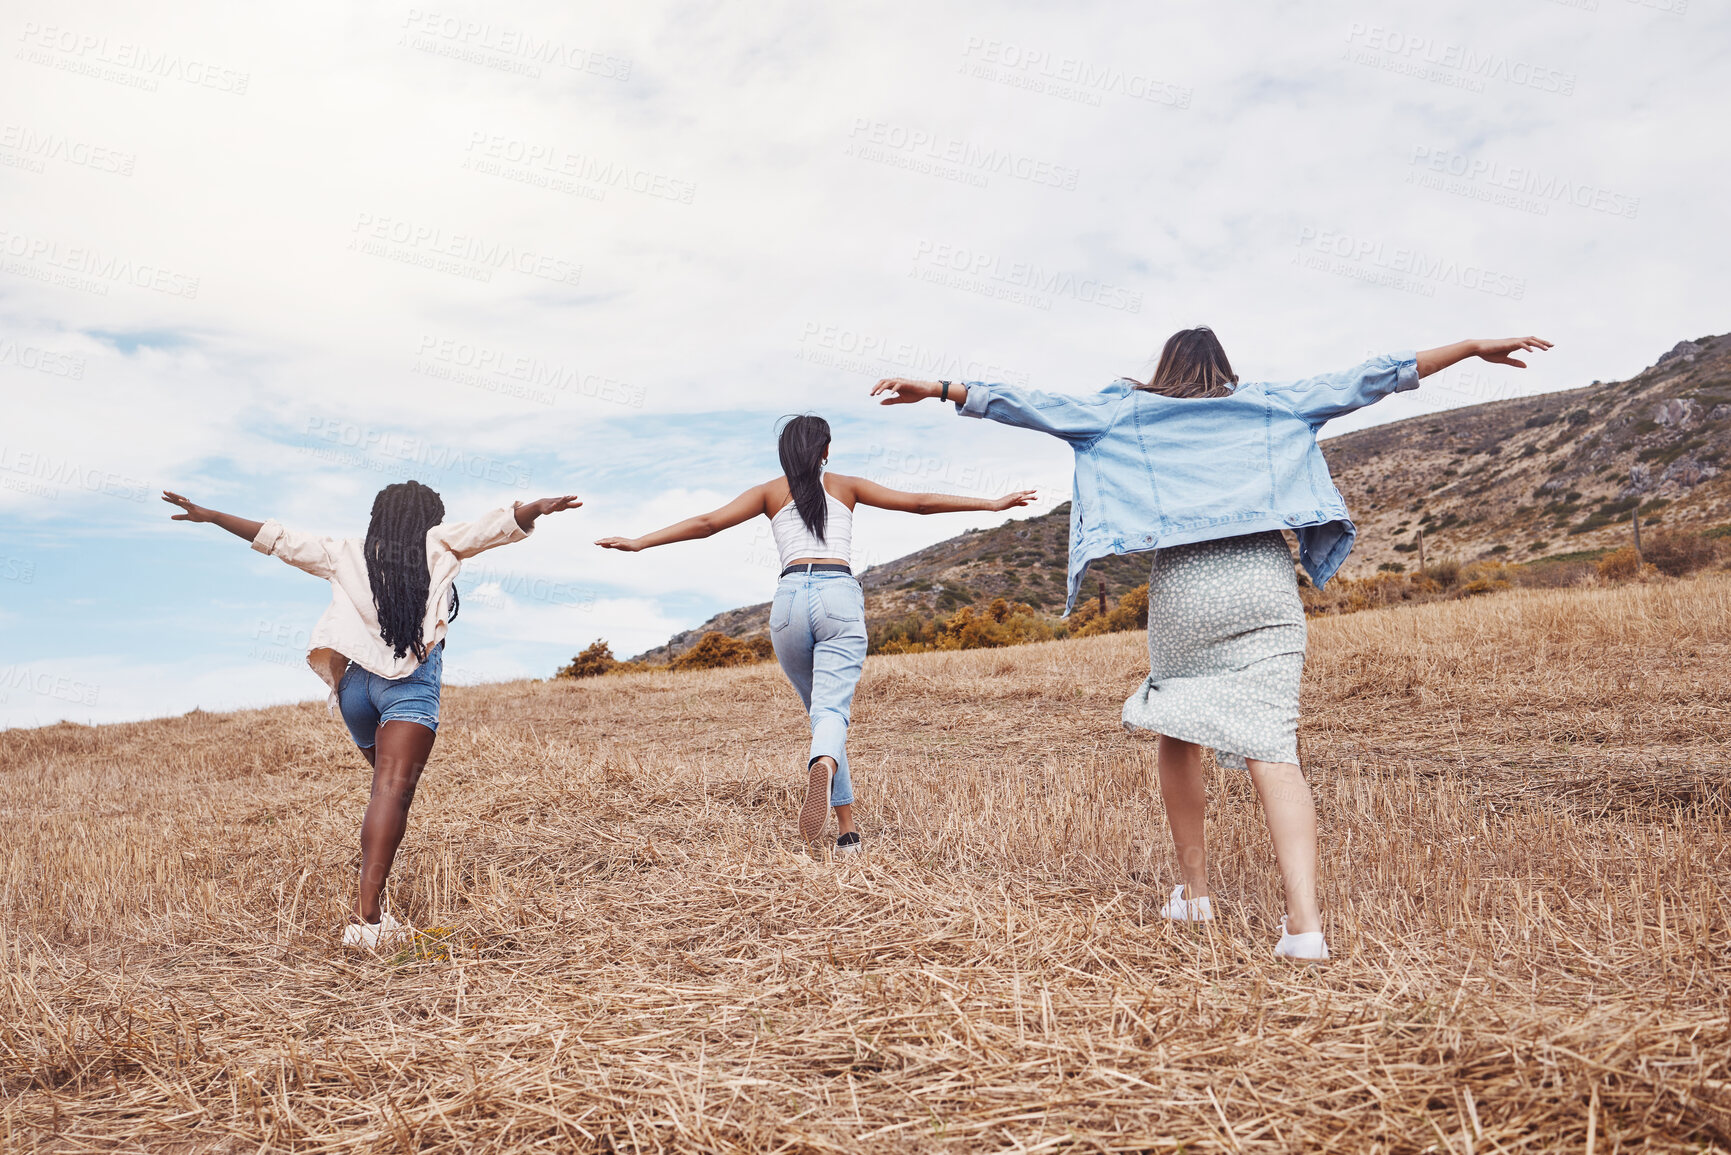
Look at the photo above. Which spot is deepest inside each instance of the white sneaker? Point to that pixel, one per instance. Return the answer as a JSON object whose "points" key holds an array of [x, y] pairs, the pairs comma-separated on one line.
{"points": [[1181, 909], [1307, 947], [373, 935]]}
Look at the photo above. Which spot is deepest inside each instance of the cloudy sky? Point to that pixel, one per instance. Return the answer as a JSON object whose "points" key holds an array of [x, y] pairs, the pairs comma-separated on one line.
{"points": [[277, 257]]}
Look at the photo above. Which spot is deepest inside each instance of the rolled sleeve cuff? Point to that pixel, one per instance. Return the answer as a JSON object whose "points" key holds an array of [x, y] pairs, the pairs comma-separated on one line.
{"points": [[1406, 370], [979, 396], [268, 535]]}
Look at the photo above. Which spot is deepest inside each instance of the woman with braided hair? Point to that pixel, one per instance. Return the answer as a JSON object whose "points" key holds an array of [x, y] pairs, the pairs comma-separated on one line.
{"points": [[380, 645]]}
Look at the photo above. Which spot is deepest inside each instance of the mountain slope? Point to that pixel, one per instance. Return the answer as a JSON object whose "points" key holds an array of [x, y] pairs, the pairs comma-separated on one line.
{"points": [[1520, 479]]}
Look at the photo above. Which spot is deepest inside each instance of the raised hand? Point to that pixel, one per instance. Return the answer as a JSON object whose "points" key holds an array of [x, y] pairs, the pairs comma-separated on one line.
{"points": [[239, 526], [1012, 500], [628, 544], [528, 511], [193, 512], [1497, 350], [904, 391]]}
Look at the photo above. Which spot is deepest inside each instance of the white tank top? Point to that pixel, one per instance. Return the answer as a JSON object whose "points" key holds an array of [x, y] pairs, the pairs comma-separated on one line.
{"points": [[793, 539]]}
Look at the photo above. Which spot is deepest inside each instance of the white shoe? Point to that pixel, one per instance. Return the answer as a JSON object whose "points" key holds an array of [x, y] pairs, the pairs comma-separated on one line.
{"points": [[1181, 909], [1307, 947], [373, 935]]}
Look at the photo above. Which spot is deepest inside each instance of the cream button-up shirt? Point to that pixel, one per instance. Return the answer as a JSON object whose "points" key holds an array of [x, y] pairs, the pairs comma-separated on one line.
{"points": [[349, 629]]}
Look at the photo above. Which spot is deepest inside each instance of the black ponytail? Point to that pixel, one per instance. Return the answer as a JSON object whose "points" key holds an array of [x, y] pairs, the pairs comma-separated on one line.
{"points": [[803, 443], [396, 553]]}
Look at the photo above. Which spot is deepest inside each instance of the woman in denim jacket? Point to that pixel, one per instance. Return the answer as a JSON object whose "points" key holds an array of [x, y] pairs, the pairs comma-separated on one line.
{"points": [[1206, 471], [817, 621]]}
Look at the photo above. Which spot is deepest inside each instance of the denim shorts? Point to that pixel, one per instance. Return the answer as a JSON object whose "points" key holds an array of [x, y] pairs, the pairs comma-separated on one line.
{"points": [[368, 700]]}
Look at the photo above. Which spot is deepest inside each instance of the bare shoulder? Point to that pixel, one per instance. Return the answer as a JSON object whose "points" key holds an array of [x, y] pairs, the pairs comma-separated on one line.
{"points": [[843, 487], [775, 494]]}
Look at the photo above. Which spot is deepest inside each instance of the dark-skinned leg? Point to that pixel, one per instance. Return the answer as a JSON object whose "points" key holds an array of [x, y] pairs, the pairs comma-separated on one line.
{"points": [[398, 758]]}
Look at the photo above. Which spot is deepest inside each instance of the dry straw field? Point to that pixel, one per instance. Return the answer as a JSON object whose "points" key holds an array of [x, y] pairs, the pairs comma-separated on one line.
{"points": [[1524, 806]]}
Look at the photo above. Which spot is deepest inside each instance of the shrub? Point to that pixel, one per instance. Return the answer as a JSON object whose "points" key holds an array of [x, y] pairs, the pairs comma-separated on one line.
{"points": [[1391, 567], [1676, 553], [1131, 613], [1445, 571], [1483, 578], [1620, 565], [1001, 623], [715, 650], [596, 659]]}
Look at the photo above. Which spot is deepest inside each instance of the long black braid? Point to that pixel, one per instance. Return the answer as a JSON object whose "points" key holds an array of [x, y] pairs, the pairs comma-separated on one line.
{"points": [[802, 444], [396, 552]]}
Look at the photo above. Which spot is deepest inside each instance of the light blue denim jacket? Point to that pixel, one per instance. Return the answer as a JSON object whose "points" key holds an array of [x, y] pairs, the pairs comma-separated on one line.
{"points": [[1154, 471]]}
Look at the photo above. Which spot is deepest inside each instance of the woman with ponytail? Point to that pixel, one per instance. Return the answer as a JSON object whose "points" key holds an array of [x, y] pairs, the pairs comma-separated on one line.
{"points": [[817, 621], [380, 646]]}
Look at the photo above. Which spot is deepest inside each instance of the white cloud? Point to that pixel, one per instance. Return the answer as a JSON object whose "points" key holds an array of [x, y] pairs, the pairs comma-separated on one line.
{"points": [[770, 206]]}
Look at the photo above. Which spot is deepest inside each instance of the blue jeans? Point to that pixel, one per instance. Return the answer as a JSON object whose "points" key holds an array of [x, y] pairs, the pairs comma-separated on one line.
{"points": [[817, 624], [368, 701]]}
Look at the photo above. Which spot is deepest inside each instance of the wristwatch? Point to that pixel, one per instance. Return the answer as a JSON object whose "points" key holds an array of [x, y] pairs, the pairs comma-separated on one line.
{"points": [[945, 395]]}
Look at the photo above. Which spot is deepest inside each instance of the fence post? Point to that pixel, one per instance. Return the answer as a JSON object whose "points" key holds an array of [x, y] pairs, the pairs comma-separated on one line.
{"points": [[1102, 595], [1419, 534], [1635, 521]]}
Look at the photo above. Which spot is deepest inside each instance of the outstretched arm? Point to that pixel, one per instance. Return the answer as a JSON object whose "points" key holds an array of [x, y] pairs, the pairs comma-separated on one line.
{"points": [[905, 391], [239, 526], [742, 508], [871, 493], [528, 511], [1495, 350], [1077, 420]]}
